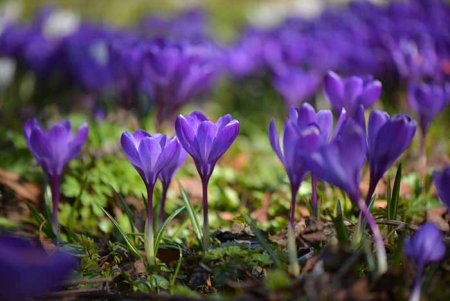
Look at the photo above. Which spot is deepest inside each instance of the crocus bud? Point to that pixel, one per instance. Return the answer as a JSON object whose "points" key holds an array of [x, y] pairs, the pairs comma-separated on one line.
{"points": [[426, 246], [204, 140], [53, 149], [388, 137], [149, 154], [427, 101]]}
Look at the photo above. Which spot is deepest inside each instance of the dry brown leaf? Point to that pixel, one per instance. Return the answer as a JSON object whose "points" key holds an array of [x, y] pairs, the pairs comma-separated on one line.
{"points": [[437, 216], [24, 190]]}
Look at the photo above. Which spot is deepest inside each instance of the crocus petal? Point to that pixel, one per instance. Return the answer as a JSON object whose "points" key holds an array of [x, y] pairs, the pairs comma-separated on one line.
{"points": [[225, 137], [78, 141], [149, 152], [333, 90], [393, 138], [167, 155], [186, 134], [303, 116], [223, 121], [130, 149], [138, 136], [426, 245], [370, 94], [353, 87], [206, 134], [274, 141], [324, 119], [442, 182], [376, 120], [28, 127]]}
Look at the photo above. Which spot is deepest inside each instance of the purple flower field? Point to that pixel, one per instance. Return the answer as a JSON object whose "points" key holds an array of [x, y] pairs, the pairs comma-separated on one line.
{"points": [[217, 152]]}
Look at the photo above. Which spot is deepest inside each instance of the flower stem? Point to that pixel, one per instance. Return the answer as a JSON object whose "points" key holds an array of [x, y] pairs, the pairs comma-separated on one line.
{"points": [[205, 214], [371, 190], [54, 184], [415, 295], [422, 150], [148, 238], [165, 188], [314, 202], [381, 250], [294, 190], [292, 250]]}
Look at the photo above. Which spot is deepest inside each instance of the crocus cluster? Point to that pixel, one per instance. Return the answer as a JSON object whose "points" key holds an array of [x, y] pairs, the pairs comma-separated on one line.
{"points": [[426, 246], [53, 150], [307, 146], [28, 271], [104, 62], [156, 156]]}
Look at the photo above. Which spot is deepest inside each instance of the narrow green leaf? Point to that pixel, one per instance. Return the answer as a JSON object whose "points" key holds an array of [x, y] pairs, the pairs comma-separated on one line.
{"points": [[262, 240], [130, 246], [160, 232], [47, 228], [395, 197], [126, 208], [338, 221], [177, 270], [192, 215]]}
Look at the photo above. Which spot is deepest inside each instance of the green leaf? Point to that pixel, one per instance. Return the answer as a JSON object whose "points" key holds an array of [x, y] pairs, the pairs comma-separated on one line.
{"points": [[192, 215], [177, 270], [47, 228], [125, 206], [131, 248], [262, 240], [160, 232], [338, 221], [392, 204]]}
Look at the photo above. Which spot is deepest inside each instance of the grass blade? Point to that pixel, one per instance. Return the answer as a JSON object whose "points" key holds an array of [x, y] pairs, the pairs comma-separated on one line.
{"points": [[262, 241], [160, 232], [338, 221], [177, 270], [394, 199], [192, 215], [47, 228], [131, 248]]}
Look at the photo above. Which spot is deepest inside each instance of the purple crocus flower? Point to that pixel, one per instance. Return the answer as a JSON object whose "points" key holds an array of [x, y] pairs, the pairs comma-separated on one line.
{"points": [[388, 137], [177, 73], [302, 133], [349, 93], [295, 86], [167, 174], [442, 182], [27, 270], [54, 149], [339, 163], [149, 155], [206, 142], [427, 101], [424, 247]]}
